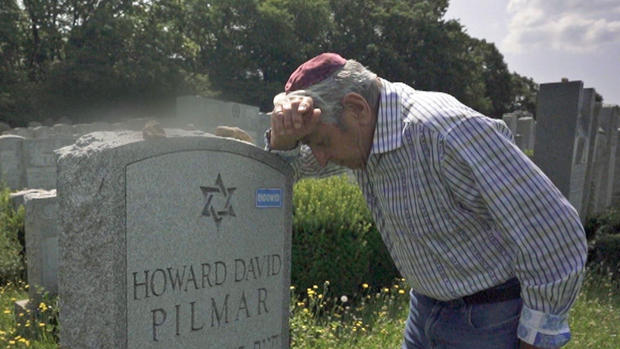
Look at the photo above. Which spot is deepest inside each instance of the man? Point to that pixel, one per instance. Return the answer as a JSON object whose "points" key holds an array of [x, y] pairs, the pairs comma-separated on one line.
{"points": [[494, 254]]}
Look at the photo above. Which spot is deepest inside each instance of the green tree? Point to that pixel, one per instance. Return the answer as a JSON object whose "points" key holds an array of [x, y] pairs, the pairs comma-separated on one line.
{"points": [[11, 53], [248, 48], [497, 79], [524, 91], [409, 41]]}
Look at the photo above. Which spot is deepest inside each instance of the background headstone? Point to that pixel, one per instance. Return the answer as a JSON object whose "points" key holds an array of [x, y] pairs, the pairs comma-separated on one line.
{"points": [[207, 114], [12, 171], [41, 230], [40, 161], [613, 182], [511, 121], [17, 198], [42, 132], [589, 111], [180, 242], [22, 131], [525, 128], [63, 130], [561, 149], [604, 159]]}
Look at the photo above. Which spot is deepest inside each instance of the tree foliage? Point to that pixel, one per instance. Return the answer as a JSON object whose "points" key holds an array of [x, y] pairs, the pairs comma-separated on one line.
{"points": [[63, 55]]}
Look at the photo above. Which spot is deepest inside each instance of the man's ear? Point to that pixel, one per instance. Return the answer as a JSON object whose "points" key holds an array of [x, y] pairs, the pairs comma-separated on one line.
{"points": [[358, 105]]}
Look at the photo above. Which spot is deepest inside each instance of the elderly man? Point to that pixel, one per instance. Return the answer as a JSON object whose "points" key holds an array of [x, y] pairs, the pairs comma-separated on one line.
{"points": [[493, 252]]}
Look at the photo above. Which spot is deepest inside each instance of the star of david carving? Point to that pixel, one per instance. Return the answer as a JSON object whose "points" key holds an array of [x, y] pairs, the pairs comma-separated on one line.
{"points": [[219, 190]]}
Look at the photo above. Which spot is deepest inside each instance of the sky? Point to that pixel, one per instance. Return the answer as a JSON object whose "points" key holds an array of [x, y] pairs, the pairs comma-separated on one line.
{"points": [[548, 40]]}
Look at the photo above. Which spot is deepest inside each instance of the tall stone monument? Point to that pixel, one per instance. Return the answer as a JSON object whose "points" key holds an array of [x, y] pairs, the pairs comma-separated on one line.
{"points": [[589, 111], [561, 148], [177, 242], [605, 159]]}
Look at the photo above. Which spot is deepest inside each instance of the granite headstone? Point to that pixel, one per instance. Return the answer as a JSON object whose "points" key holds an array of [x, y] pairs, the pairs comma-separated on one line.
{"points": [[604, 159], [525, 128], [589, 111], [561, 148], [41, 230], [12, 171], [207, 114], [178, 242], [40, 161]]}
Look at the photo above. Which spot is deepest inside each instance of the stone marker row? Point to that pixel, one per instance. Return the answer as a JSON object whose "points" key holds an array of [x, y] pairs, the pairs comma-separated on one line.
{"points": [[26, 154], [523, 127], [575, 145], [207, 114]]}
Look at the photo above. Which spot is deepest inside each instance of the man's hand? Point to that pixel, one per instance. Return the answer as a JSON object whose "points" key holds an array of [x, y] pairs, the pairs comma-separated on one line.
{"points": [[293, 118]]}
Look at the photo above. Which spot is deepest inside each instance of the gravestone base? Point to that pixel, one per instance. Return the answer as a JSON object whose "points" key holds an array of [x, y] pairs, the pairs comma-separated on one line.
{"points": [[28, 316], [25, 318]]}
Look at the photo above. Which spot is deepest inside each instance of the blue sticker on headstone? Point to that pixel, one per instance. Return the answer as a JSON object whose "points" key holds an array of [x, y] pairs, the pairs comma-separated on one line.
{"points": [[268, 197]]}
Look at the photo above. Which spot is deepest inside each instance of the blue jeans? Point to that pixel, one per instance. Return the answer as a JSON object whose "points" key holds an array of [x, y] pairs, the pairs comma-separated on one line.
{"points": [[454, 324]]}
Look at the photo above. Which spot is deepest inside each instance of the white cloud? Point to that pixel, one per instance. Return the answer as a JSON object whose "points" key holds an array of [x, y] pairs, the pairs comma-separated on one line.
{"points": [[564, 25]]}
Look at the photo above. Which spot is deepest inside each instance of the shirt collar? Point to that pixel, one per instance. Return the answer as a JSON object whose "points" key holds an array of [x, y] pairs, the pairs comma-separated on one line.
{"points": [[388, 130]]}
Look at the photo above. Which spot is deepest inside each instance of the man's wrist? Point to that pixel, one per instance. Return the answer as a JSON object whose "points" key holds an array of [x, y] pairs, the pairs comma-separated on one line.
{"points": [[269, 145], [543, 330]]}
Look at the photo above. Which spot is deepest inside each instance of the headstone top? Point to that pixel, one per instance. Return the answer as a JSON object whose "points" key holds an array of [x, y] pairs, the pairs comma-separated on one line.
{"points": [[17, 198], [11, 136], [34, 194], [113, 139]]}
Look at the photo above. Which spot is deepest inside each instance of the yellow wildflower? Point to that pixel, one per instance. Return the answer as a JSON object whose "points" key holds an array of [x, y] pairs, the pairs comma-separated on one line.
{"points": [[43, 306]]}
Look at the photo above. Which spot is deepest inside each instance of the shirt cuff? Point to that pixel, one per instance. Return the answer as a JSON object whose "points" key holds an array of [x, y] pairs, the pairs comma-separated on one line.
{"points": [[543, 330]]}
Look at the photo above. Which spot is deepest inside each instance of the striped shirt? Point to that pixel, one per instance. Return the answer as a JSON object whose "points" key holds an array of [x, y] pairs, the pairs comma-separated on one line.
{"points": [[462, 209]]}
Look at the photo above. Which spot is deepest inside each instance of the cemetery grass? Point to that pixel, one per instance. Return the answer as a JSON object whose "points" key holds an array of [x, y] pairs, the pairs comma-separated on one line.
{"points": [[373, 319]]}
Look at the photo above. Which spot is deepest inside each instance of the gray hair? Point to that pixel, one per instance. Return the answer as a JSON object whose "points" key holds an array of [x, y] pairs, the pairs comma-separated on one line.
{"points": [[327, 95]]}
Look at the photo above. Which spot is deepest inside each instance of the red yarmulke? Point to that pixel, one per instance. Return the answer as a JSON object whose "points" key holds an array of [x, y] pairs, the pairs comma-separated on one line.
{"points": [[314, 70]]}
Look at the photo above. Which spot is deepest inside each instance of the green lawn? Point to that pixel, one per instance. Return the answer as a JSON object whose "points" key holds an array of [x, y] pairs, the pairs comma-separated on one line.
{"points": [[379, 321], [372, 319]]}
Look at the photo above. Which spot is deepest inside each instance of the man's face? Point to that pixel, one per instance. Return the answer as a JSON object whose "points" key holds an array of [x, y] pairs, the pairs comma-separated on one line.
{"points": [[343, 146]]}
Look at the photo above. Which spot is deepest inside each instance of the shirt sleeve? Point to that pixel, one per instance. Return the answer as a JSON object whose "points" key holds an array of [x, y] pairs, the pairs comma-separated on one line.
{"points": [[485, 169], [303, 162]]}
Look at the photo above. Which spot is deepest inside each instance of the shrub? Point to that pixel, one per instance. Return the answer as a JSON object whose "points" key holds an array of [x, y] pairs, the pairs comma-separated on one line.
{"points": [[603, 233], [12, 265], [605, 254], [335, 239]]}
